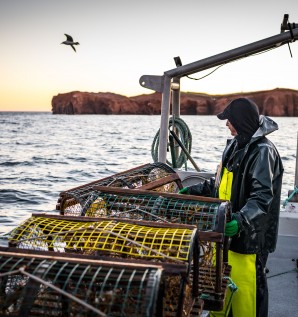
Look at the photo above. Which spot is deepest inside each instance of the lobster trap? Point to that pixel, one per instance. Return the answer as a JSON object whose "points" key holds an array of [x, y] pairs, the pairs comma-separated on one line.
{"points": [[173, 246], [155, 176], [41, 285], [207, 214], [112, 237]]}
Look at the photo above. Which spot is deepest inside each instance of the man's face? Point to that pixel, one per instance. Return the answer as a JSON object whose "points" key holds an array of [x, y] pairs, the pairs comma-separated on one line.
{"points": [[232, 129]]}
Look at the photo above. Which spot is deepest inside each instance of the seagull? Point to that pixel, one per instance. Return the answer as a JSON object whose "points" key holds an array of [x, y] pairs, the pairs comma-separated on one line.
{"points": [[69, 41]]}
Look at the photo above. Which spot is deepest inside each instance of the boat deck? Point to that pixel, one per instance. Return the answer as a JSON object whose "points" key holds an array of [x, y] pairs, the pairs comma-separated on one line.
{"points": [[283, 277]]}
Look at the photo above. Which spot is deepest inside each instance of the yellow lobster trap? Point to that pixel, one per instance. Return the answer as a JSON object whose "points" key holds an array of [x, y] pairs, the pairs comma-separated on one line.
{"points": [[153, 176], [104, 236]]}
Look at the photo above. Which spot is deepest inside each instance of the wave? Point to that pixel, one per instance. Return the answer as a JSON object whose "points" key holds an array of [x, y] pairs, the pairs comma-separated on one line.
{"points": [[11, 196], [16, 163]]}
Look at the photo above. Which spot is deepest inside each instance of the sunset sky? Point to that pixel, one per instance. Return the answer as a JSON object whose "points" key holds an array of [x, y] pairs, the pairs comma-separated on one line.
{"points": [[121, 40]]}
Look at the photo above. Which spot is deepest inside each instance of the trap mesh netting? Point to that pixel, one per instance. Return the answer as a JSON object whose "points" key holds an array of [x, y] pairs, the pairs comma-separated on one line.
{"points": [[207, 214], [32, 285], [105, 237], [155, 176]]}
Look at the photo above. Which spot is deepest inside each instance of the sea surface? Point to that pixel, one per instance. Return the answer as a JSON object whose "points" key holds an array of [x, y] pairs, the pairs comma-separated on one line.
{"points": [[42, 154]]}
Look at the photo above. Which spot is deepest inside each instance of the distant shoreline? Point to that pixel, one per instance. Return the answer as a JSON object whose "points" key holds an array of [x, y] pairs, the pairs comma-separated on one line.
{"points": [[277, 102]]}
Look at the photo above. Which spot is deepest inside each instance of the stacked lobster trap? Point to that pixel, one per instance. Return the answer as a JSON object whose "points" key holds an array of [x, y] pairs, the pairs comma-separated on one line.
{"points": [[125, 245], [207, 214], [172, 247]]}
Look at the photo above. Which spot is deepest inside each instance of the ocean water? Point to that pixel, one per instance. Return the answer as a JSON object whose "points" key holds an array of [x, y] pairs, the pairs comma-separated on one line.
{"points": [[43, 154]]}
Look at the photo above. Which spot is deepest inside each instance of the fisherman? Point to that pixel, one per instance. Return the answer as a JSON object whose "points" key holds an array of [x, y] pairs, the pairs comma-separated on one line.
{"points": [[250, 177]]}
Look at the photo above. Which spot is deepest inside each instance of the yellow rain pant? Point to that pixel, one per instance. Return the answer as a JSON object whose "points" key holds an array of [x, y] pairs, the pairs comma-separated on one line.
{"points": [[243, 275]]}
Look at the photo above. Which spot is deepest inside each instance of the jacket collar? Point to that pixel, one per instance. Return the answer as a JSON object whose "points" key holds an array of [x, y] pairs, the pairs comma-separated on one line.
{"points": [[267, 126]]}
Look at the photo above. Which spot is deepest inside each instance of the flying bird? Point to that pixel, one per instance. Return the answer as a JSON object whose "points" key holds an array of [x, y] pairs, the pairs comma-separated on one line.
{"points": [[69, 41]]}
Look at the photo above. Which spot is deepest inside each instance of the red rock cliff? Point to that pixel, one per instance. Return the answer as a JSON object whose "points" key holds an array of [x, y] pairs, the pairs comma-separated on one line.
{"points": [[277, 102]]}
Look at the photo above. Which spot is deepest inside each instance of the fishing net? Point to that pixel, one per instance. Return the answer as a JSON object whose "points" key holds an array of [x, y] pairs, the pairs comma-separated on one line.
{"points": [[157, 176]]}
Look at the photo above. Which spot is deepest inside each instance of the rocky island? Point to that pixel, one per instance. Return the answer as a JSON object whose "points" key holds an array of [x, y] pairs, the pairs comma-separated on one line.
{"points": [[276, 102]]}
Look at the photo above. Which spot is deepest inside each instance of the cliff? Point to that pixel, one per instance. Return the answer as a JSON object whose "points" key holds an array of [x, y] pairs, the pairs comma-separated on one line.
{"points": [[276, 102]]}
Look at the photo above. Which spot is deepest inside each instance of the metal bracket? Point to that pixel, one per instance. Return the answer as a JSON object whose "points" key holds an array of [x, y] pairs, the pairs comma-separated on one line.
{"points": [[152, 82], [286, 25]]}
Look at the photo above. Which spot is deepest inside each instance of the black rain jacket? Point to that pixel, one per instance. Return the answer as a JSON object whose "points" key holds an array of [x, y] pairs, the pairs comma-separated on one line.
{"points": [[257, 180]]}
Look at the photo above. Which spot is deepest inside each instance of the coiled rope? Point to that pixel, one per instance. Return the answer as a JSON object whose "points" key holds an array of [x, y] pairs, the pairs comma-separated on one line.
{"points": [[185, 137]]}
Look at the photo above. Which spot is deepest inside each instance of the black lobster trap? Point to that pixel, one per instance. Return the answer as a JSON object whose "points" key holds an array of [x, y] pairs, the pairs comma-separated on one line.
{"points": [[173, 246], [38, 284], [207, 214], [153, 176]]}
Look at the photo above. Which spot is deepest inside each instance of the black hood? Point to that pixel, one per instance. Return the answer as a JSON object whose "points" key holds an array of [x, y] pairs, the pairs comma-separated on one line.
{"points": [[243, 114]]}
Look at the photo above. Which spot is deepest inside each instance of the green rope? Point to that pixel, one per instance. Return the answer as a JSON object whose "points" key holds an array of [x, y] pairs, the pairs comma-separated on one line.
{"points": [[233, 287], [185, 137], [295, 191]]}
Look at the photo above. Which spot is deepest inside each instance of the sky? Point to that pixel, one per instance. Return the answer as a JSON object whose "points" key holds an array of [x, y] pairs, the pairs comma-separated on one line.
{"points": [[121, 40]]}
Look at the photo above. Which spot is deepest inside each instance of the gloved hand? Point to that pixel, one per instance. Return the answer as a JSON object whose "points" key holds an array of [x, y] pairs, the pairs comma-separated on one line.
{"points": [[232, 228], [183, 190]]}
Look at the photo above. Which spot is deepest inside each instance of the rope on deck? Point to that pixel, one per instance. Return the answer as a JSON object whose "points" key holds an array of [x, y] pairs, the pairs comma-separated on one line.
{"points": [[185, 137]]}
